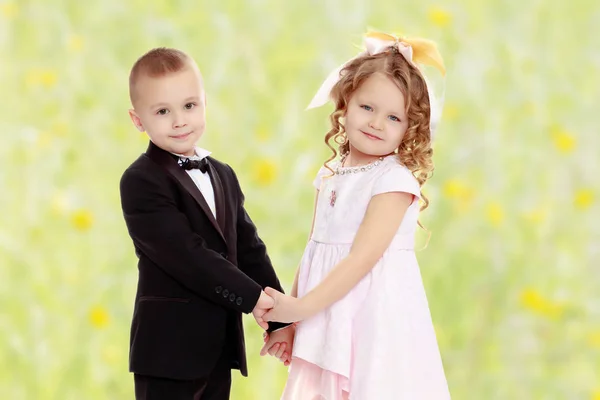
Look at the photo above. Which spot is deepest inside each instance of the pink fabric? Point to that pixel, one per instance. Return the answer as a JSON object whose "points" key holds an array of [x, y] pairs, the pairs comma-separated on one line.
{"points": [[378, 342], [307, 381]]}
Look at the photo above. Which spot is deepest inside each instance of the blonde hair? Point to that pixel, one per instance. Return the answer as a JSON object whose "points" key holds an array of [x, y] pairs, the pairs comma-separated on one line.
{"points": [[157, 62], [415, 150]]}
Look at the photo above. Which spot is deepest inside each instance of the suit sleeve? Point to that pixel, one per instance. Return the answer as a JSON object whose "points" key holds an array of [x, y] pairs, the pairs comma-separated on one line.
{"points": [[163, 234], [252, 252]]}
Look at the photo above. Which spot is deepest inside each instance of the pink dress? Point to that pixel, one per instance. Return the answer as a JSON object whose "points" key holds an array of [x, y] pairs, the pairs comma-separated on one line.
{"points": [[378, 342]]}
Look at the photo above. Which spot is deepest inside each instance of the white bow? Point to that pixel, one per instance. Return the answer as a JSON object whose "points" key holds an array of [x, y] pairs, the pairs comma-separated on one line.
{"points": [[376, 45]]}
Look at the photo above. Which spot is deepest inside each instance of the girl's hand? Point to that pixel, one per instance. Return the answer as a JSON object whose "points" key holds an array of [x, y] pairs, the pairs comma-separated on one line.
{"points": [[286, 308], [280, 344]]}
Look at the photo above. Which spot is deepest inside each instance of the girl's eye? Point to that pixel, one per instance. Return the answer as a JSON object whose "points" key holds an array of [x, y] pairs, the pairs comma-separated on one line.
{"points": [[366, 107], [394, 118]]}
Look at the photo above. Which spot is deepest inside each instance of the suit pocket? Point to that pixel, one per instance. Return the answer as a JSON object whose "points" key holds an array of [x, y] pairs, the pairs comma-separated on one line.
{"points": [[160, 298]]}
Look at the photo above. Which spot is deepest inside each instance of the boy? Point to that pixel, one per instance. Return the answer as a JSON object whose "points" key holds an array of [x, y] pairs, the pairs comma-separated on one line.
{"points": [[201, 263]]}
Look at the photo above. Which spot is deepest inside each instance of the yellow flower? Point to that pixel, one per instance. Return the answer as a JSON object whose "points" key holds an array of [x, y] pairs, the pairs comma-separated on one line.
{"points": [[563, 140], [439, 17], [530, 298], [75, 43], [594, 339], [495, 214], [99, 317], [82, 220], [48, 78], [583, 198], [37, 77], [462, 194], [450, 112], [456, 189], [265, 172], [534, 301], [9, 10]]}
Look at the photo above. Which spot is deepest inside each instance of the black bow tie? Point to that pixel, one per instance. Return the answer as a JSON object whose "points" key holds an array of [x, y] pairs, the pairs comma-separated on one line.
{"points": [[188, 164]]}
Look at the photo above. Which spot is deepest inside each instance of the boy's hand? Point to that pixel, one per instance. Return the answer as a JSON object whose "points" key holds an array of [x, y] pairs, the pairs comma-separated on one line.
{"points": [[280, 344], [286, 308], [264, 304]]}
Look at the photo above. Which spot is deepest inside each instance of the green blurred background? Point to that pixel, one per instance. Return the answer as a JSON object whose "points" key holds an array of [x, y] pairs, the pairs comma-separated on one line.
{"points": [[512, 267]]}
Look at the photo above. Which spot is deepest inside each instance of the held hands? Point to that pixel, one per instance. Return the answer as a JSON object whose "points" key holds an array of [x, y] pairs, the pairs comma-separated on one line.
{"points": [[263, 304], [278, 307], [285, 309], [281, 308], [280, 344]]}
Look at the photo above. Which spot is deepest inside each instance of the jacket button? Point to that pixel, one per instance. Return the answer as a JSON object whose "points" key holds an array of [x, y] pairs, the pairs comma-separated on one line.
{"points": [[218, 289], [238, 301], [232, 297], [225, 293]]}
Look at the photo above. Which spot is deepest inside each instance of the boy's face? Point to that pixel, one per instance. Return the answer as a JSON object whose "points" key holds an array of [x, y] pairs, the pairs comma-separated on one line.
{"points": [[171, 109]]}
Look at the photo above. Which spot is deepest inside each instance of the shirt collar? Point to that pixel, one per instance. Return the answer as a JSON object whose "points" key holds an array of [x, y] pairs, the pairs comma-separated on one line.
{"points": [[200, 154]]}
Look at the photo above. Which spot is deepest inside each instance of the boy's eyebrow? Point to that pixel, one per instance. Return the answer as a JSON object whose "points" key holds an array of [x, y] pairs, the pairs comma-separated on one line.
{"points": [[158, 105], [165, 104]]}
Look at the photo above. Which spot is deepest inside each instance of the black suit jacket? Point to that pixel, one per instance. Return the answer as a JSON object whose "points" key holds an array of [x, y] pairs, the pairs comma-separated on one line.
{"points": [[197, 275]]}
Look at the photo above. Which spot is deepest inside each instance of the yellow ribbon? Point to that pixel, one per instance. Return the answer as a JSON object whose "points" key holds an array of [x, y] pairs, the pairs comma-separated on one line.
{"points": [[424, 51]]}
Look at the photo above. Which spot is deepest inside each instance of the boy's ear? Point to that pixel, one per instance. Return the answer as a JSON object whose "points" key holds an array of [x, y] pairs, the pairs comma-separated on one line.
{"points": [[136, 120]]}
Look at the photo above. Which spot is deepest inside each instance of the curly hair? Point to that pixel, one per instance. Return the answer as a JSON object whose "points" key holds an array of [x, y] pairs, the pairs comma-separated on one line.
{"points": [[415, 150]]}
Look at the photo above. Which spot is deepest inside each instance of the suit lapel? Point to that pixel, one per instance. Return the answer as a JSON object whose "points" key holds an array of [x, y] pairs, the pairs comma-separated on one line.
{"points": [[219, 195], [169, 162]]}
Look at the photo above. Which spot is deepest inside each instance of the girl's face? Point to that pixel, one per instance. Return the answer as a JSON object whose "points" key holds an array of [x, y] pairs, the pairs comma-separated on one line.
{"points": [[376, 118]]}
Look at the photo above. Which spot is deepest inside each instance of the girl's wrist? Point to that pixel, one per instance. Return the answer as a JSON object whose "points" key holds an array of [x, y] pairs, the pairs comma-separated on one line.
{"points": [[307, 306]]}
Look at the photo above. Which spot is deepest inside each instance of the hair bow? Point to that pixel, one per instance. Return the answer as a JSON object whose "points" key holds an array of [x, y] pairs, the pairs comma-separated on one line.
{"points": [[414, 50]]}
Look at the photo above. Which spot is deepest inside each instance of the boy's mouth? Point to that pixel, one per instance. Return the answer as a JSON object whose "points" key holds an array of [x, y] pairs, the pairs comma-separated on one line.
{"points": [[182, 136]]}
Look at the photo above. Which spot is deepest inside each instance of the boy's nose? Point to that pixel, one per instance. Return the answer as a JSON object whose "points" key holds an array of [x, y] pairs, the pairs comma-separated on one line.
{"points": [[178, 121]]}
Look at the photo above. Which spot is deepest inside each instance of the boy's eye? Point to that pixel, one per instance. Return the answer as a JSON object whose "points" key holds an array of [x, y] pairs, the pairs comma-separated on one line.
{"points": [[366, 107], [189, 106], [162, 111]]}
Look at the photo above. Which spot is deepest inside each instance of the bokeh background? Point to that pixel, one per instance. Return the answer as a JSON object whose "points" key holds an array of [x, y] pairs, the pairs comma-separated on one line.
{"points": [[512, 267]]}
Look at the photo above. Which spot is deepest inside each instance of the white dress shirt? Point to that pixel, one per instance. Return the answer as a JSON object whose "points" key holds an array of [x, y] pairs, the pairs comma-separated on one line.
{"points": [[202, 179]]}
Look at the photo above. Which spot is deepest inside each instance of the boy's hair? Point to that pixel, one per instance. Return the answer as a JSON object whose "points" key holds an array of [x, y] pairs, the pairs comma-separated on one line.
{"points": [[156, 63]]}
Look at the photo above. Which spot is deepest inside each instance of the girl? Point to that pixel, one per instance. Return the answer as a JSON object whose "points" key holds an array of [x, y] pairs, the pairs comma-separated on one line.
{"points": [[366, 331]]}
